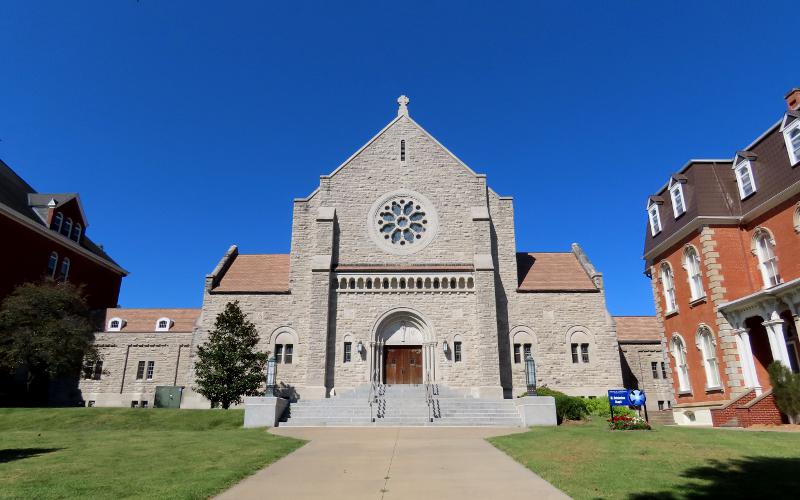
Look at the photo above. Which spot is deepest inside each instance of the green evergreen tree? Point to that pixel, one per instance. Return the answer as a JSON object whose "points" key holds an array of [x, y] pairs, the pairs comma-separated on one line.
{"points": [[229, 366], [786, 389], [45, 329]]}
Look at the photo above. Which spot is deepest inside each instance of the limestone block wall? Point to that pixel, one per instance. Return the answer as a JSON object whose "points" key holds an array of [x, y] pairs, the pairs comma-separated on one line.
{"points": [[638, 358], [121, 353]]}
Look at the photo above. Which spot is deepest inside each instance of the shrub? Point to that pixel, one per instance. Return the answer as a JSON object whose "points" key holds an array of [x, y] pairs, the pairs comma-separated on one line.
{"points": [[786, 389], [567, 407], [598, 407]]}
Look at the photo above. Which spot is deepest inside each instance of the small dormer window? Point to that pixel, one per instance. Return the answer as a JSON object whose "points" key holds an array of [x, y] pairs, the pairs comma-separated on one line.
{"points": [[655, 219], [76, 233], [66, 228], [792, 137], [115, 324], [163, 324], [58, 220], [744, 178], [678, 201]]}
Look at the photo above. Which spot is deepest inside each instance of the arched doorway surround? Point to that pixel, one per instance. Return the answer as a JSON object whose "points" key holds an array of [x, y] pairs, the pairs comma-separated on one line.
{"points": [[395, 330]]}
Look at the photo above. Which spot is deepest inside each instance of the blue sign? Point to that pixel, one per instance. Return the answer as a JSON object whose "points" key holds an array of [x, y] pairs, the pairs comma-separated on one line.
{"points": [[618, 397], [625, 397]]}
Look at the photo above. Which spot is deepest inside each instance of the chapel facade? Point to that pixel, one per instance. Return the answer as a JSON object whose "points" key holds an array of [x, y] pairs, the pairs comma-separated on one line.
{"points": [[403, 269]]}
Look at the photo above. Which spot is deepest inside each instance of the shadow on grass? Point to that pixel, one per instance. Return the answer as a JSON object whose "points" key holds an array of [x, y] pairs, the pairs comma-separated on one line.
{"points": [[747, 477], [11, 454]]}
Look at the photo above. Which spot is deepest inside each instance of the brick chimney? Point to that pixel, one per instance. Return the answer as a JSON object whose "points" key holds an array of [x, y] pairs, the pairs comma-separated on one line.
{"points": [[793, 99]]}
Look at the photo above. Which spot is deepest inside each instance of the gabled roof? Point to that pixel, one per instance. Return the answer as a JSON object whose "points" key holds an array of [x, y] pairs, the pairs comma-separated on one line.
{"points": [[551, 272], [144, 320], [256, 273], [402, 115], [637, 329], [20, 201]]}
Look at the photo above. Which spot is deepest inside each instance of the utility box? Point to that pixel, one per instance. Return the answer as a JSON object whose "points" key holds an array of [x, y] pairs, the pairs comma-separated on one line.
{"points": [[168, 396]]}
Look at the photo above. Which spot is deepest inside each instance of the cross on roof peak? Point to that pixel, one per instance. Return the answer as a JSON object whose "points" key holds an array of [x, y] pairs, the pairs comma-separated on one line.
{"points": [[403, 102]]}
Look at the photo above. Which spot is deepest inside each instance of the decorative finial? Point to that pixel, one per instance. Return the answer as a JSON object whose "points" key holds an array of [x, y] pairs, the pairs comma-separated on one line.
{"points": [[403, 102]]}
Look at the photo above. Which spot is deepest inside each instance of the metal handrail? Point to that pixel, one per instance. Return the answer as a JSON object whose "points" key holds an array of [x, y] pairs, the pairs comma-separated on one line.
{"points": [[373, 396], [429, 395]]}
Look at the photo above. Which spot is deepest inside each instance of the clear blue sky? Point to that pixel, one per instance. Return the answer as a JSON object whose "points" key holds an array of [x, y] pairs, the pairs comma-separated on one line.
{"points": [[187, 126]]}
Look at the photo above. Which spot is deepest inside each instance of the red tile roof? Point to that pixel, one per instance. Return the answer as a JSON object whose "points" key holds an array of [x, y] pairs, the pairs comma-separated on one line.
{"points": [[144, 320], [637, 328], [266, 273], [549, 272]]}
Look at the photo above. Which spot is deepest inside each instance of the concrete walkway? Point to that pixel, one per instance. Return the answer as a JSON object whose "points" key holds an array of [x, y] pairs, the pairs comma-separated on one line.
{"points": [[395, 463]]}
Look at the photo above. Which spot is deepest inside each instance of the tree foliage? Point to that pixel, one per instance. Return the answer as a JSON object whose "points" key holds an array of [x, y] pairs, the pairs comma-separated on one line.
{"points": [[45, 328], [229, 366], [786, 389]]}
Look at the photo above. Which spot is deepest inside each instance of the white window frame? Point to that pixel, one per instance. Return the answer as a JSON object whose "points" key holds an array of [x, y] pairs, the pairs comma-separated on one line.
{"points": [[794, 127], [681, 367], [748, 166], [694, 273], [707, 346], [668, 285], [53, 257], [159, 328], [676, 193], [77, 231], [767, 264], [120, 324], [63, 272], [654, 216], [58, 222], [68, 226]]}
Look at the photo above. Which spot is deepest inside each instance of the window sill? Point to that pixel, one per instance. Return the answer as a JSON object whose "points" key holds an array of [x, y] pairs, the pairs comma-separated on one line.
{"points": [[670, 314], [696, 302], [717, 388], [747, 196], [687, 392]]}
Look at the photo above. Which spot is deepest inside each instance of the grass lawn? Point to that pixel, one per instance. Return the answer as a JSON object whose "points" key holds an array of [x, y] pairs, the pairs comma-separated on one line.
{"points": [[123, 453], [589, 461]]}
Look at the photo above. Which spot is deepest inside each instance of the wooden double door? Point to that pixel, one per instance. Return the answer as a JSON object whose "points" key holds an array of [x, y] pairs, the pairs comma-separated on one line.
{"points": [[402, 364]]}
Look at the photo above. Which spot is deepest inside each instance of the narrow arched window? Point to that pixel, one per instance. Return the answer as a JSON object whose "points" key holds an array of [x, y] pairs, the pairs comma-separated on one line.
{"points": [[76, 232], [705, 342], [64, 274], [692, 265], [679, 353], [767, 261], [66, 229], [52, 264], [58, 220], [668, 283], [402, 150]]}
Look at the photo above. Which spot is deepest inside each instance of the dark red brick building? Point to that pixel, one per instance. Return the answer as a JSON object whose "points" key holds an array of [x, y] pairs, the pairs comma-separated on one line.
{"points": [[45, 235], [723, 253]]}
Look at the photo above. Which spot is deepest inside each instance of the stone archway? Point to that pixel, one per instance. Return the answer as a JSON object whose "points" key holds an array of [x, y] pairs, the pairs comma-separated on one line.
{"points": [[402, 336]]}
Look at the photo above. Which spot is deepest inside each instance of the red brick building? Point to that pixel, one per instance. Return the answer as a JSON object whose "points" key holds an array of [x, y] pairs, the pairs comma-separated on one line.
{"points": [[723, 253], [44, 235]]}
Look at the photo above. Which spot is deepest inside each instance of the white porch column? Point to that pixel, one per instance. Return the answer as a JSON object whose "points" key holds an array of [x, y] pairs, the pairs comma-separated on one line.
{"points": [[742, 336], [777, 341]]}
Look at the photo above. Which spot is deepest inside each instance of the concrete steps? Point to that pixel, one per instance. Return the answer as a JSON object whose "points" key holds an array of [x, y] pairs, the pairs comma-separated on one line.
{"points": [[402, 405], [663, 417]]}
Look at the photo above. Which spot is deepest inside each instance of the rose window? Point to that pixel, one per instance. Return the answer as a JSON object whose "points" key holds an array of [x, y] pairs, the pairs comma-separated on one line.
{"points": [[402, 221]]}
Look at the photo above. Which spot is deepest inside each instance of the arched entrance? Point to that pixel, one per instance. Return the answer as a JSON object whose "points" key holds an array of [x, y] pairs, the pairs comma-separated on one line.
{"points": [[402, 349]]}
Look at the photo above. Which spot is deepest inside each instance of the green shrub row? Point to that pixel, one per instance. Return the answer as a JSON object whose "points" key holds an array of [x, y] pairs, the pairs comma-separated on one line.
{"points": [[577, 408]]}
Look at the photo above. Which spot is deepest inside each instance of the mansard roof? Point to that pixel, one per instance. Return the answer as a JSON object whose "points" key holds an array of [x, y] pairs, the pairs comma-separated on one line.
{"points": [[552, 272], [254, 273], [144, 320], [638, 329]]}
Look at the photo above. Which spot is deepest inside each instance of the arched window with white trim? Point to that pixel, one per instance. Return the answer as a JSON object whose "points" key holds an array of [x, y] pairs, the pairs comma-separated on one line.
{"points": [[52, 264], [66, 229], [691, 262], [668, 283], [115, 324], [76, 232], [707, 346], [63, 275], [678, 349], [163, 324], [58, 220], [767, 260]]}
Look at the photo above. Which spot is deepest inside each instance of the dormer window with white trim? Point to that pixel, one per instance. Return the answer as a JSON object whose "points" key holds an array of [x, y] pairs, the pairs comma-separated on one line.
{"points": [[58, 220], [77, 230], [791, 135], [678, 201], [163, 324], [115, 324], [744, 178], [66, 229], [655, 219]]}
